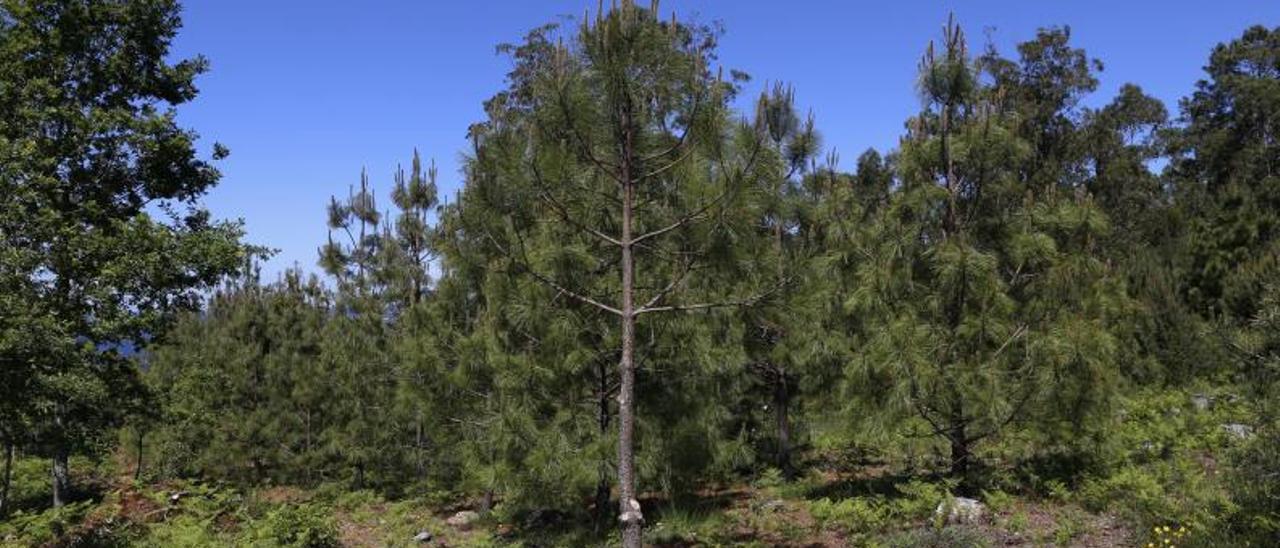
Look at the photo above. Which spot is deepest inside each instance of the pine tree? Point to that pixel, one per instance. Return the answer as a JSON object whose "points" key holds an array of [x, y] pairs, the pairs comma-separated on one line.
{"points": [[1224, 168], [778, 335], [242, 397], [621, 180], [987, 304]]}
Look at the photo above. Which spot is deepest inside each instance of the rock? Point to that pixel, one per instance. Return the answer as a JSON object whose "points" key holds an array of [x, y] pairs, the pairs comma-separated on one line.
{"points": [[423, 536], [1238, 430], [1148, 446], [1201, 402], [775, 505], [463, 519], [961, 510]]}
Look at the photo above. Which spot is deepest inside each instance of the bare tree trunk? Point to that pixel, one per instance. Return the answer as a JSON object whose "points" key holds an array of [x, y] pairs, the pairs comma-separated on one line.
{"points": [[781, 405], [61, 476], [8, 476], [631, 517], [137, 472], [960, 454], [603, 480]]}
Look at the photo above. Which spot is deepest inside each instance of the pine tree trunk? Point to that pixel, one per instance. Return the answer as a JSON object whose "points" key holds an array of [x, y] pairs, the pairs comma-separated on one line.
{"points": [[960, 459], [602, 421], [61, 476], [631, 517], [486, 503], [137, 472], [781, 404], [960, 454], [8, 476]]}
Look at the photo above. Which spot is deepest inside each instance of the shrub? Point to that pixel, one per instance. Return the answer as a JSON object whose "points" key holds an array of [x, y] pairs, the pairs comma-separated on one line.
{"points": [[919, 499], [853, 516], [295, 526], [933, 537]]}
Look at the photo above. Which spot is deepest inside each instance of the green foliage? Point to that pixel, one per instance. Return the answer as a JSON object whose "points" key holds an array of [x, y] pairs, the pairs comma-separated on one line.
{"points": [[43, 526], [639, 285], [102, 233], [296, 526], [860, 518], [932, 537]]}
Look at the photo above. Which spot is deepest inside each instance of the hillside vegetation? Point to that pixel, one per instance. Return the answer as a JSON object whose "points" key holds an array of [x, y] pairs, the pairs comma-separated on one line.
{"points": [[656, 311]]}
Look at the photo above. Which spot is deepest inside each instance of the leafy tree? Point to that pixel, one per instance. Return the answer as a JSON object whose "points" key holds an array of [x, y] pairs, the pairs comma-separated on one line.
{"points": [[92, 154]]}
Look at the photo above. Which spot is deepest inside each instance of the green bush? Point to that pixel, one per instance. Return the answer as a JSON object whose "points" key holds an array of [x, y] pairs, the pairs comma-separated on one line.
{"points": [[852, 516], [37, 528], [295, 526], [944, 537], [1254, 487], [919, 499]]}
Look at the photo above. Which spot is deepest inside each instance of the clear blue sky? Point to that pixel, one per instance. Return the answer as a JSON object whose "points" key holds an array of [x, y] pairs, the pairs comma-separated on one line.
{"points": [[307, 93]]}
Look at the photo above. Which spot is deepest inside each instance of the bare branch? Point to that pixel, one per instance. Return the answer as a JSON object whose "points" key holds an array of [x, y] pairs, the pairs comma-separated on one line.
{"points": [[583, 144], [723, 304], [563, 212], [691, 217], [670, 165], [552, 283], [675, 281]]}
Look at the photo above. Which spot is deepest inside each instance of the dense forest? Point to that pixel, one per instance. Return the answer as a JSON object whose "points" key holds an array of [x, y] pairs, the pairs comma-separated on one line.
{"points": [[649, 315]]}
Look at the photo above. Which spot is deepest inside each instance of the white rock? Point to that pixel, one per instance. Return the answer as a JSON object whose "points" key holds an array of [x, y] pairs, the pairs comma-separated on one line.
{"points": [[961, 510], [463, 519], [1238, 430], [423, 536]]}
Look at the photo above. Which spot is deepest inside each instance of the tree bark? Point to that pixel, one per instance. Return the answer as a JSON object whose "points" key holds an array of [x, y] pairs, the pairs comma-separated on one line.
{"points": [[8, 476], [486, 503], [137, 472], [629, 507], [61, 476], [781, 404], [602, 420], [960, 454]]}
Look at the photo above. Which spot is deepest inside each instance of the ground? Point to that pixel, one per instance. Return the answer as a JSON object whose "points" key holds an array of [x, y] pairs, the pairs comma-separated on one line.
{"points": [[1160, 476]]}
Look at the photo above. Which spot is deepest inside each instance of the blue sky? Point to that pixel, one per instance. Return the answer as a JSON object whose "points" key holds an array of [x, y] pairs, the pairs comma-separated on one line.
{"points": [[307, 93]]}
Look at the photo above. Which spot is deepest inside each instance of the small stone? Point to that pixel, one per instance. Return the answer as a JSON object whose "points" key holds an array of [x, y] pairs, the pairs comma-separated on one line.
{"points": [[775, 505], [961, 510], [1238, 430], [423, 536], [1201, 402], [463, 519]]}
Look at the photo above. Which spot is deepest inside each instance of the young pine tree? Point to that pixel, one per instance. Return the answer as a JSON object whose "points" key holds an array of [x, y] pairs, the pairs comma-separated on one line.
{"points": [[611, 176], [985, 302]]}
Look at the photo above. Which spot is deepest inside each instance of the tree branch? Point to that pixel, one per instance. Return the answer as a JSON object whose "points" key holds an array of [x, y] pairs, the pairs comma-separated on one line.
{"points": [[703, 306], [563, 212], [552, 283]]}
